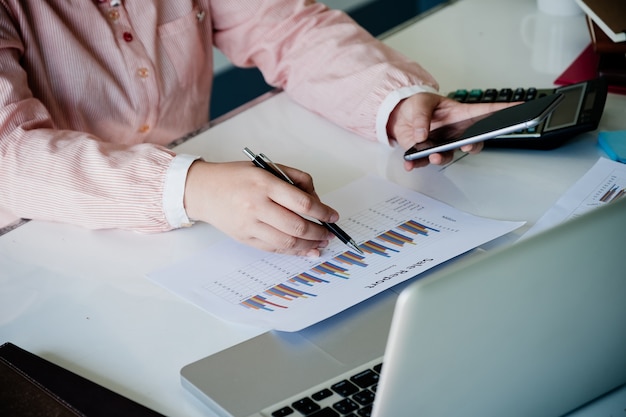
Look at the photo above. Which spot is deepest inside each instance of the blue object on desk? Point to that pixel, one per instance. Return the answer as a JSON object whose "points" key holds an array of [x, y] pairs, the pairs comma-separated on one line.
{"points": [[614, 144]]}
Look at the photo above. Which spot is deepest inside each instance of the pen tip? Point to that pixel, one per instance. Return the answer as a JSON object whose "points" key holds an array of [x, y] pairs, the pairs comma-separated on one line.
{"points": [[355, 247]]}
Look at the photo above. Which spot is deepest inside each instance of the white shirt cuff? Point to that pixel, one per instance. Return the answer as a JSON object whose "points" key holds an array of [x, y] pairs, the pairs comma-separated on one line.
{"points": [[174, 190], [390, 102]]}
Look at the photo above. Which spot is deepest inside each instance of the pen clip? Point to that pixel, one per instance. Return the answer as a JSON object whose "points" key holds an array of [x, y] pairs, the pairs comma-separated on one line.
{"points": [[267, 160]]}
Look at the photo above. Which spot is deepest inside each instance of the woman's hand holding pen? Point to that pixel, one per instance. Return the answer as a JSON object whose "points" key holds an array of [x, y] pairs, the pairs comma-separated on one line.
{"points": [[412, 119], [256, 208]]}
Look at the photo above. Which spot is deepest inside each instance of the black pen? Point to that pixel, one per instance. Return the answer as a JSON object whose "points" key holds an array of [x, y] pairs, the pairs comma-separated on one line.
{"points": [[262, 161]]}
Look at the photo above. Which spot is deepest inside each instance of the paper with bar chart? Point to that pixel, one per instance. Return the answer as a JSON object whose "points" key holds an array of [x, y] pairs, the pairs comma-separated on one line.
{"points": [[605, 182], [402, 233]]}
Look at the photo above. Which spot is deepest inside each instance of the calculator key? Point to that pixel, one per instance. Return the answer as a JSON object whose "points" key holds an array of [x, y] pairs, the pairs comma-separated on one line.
{"points": [[474, 96], [460, 95], [490, 95], [518, 94], [504, 95]]}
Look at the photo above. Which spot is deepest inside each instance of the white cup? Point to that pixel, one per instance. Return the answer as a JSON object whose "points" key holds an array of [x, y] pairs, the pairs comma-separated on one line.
{"points": [[560, 7]]}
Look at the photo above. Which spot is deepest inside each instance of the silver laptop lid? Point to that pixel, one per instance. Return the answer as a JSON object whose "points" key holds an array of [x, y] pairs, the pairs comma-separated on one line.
{"points": [[536, 329]]}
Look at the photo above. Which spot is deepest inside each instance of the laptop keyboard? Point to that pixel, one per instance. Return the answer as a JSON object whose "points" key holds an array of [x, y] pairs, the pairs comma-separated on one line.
{"points": [[349, 396]]}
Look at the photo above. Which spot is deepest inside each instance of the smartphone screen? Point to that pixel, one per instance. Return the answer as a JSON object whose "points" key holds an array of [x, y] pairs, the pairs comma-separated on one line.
{"points": [[486, 126]]}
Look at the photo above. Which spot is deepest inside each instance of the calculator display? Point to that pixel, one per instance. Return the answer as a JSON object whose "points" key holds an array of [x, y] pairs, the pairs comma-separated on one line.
{"points": [[566, 114]]}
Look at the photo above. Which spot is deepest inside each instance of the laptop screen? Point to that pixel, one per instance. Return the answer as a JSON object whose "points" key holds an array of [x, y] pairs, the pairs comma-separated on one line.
{"points": [[536, 329]]}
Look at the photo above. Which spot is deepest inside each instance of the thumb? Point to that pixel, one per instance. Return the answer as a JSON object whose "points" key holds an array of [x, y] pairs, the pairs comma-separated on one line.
{"points": [[409, 122]]}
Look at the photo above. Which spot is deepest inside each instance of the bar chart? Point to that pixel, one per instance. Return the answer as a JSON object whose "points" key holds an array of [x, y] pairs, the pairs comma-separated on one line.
{"points": [[615, 192], [603, 184], [610, 189], [383, 232], [341, 266]]}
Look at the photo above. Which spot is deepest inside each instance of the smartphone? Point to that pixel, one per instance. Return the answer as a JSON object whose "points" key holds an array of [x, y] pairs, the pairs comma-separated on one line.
{"points": [[484, 127]]}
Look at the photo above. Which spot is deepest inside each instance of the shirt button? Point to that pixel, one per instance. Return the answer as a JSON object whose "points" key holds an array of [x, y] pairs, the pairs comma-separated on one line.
{"points": [[114, 15], [143, 72], [127, 36], [144, 128]]}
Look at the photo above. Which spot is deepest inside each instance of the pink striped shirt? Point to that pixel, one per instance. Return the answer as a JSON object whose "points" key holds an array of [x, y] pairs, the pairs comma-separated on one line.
{"points": [[91, 92]]}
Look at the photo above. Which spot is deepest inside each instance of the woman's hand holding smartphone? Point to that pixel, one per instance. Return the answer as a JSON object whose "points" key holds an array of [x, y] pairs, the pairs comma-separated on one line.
{"points": [[484, 127]]}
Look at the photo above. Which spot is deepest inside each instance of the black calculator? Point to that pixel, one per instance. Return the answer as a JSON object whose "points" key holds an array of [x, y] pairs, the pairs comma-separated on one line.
{"points": [[579, 111]]}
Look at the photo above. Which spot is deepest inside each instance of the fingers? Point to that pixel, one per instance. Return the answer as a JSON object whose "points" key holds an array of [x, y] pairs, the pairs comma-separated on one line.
{"points": [[281, 227], [420, 113], [282, 231], [413, 117], [440, 158], [301, 179], [473, 148], [409, 122], [269, 239], [303, 200], [257, 208]]}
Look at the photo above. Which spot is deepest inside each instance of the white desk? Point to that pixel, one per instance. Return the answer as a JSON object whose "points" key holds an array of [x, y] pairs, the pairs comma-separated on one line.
{"points": [[80, 298]]}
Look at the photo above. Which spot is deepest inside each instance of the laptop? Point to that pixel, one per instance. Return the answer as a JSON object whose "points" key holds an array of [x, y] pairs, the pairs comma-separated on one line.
{"points": [[535, 329]]}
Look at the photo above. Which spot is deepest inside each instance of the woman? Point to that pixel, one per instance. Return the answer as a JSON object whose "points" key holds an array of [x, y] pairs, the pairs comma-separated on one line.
{"points": [[92, 91]]}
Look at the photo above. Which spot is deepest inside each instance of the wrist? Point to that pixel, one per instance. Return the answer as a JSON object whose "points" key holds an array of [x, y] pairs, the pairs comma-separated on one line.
{"points": [[194, 200]]}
